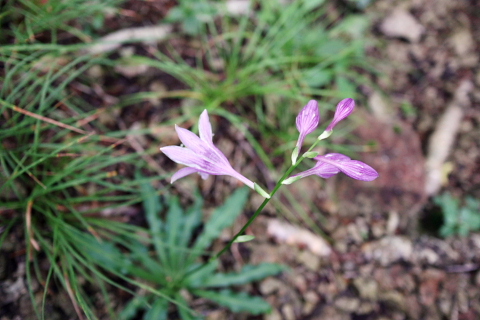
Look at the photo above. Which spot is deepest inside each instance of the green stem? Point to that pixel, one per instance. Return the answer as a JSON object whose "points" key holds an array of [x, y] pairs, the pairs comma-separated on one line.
{"points": [[264, 203], [260, 208]]}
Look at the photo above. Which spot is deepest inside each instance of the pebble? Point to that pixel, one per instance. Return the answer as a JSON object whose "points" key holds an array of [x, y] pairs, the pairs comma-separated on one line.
{"points": [[401, 24]]}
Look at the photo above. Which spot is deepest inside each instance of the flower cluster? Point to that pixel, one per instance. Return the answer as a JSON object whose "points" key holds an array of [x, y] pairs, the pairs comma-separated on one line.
{"points": [[200, 155], [332, 163]]}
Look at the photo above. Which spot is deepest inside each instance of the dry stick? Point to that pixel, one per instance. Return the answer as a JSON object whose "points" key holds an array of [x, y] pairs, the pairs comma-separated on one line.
{"points": [[54, 122], [28, 219], [72, 298], [90, 118], [59, 124]]}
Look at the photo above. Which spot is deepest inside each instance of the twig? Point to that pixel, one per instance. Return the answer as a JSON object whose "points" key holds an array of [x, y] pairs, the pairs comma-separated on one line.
{"points": [[28, 219], [39, 117], [72, 298]]}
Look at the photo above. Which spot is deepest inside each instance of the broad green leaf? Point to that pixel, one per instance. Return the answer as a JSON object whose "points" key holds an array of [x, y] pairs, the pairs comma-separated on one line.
{"points": [[158, 311], [237, 302], [248, 274], [222, 217]]}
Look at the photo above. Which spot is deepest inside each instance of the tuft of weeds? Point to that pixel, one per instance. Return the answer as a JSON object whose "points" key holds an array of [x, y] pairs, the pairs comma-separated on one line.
{"points": [[457, 219], [175, 268], [28, 21], [60, 178], [62, 173]]}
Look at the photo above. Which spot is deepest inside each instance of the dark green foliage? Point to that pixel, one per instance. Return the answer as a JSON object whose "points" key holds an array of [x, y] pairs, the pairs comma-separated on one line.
{"points": [[176, 266]]}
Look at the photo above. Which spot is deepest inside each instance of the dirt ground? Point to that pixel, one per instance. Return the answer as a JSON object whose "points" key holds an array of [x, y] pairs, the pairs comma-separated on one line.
{"points": [[385, 263], [383, 258]]}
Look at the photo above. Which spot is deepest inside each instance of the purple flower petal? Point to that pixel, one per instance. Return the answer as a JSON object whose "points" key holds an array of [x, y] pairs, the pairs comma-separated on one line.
{"points": [[321, 169], [182, 173], [332, 163], [190, 139], [352, 168], [325, 170], [333, 156], [200, 155], [205, 128], [344, 109], [358, 170], [307, 121]]}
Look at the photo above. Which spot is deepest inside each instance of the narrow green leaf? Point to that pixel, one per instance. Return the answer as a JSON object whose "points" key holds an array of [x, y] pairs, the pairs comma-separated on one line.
{"points": [[185, 312], [197, 279], [158, 311], [248, 274], [173, 232], [237, 302], [133, 306]]}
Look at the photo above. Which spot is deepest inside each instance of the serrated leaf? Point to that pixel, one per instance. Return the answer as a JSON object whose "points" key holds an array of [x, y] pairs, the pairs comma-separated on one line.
{"points": [[158, 311], [223, 217], [237, 302], [248, 274]]}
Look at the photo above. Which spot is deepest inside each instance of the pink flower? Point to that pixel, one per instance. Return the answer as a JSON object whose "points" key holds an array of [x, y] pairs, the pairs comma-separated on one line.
{"points": [[332, 163], [200, 155], [307, 121], [344, 109]]}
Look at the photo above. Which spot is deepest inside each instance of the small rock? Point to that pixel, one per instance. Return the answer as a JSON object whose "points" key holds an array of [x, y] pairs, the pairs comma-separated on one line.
{"points": [[389, 249], [394, 299], [309, 260], [429, 287], [393, 222], [300, 283], [288, 312], [347, 304], [401, 24], [367, 288], [274, 315], [311, 300], [366, 308], [330, 313], [429, 256], [462, 42], [271, 285]]}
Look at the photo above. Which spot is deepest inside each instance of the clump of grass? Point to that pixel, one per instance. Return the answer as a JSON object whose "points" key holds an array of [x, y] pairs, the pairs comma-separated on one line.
{"points": [[56, 176]]}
